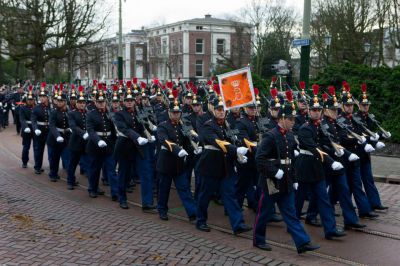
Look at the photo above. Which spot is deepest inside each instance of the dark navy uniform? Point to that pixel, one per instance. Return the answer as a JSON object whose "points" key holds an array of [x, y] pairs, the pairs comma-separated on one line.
{"points": [[26, 132], [301, 118], [57, 140], [16, 103], [77, 142], [172, 167], [40, 125]]}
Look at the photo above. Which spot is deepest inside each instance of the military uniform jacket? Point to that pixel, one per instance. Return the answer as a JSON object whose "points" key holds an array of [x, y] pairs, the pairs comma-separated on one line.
{"points": [[200, 122], [232, 119], [100, 127], [276, 151], [187, 109], [369, 124], [25, 113], [310, 167], [214, 161], [40, 120], [128, 131], [248, 129], [17, 101], [171, 141], [77, 123], [300, 119], [59, 127]]}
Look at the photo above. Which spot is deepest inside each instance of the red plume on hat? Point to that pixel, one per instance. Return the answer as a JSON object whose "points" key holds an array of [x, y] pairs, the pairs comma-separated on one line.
{"points": [[315, 89], [169, 84], [143, 85], [209, 82], [94, 82], [115, 87], [72, 86], [129, 84], [289, 95], [43, 85], [273, 79], [325, 96], [56, 86], [216, 89], [347, 87], [80, 88], [30, 88], [121, 83], [212, 78], [302, 85], [274, 92], [134, 80], [175, 93], [332, 90], [256, 91], [156, 81], [364, 88], [194, 89], [61, 86], [100, 86]]}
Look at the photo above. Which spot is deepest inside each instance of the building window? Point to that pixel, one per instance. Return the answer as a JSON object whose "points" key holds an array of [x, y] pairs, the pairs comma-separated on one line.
{"points": [[220, 46], [180, 66], [157, 32], [164, 46], [180, 28], [173, 47], [139, 54], [173, 29], [180, 45], [199, 46], [165, 30], [199, 68], [199, 27]]}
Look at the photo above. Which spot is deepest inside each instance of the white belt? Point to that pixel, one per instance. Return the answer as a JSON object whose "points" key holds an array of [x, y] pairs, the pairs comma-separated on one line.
{"points": [[29, 122], [42, 123], [306, 152], [62, 130], [104, 134], [283, 161], [211, 147], [120, 134]]}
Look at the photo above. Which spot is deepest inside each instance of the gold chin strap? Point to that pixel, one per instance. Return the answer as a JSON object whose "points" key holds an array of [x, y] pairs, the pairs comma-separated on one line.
{"points": [[169, 143], [249, 144], [221, 144], [321, 153]]}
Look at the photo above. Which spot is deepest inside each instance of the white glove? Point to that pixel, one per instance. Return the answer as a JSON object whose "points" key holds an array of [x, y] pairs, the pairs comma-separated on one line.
{"points": [[336, 166], [279, 174], [13, 108], [183, 153], [198, 150], [353, 157], [375, 138], [38, 132], [60, 139], [340, 154], [295, 186], [380, 145], [27, 130], [85, 136], [154, 128], [242, 150], [142, 141], [296, 153], [152, 139], [368, 148], [363, 140], [387, 135], [102, 144], [242, 159]]}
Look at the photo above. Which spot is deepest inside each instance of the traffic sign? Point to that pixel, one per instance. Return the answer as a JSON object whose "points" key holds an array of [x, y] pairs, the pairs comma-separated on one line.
{"points": [[301, 42]]}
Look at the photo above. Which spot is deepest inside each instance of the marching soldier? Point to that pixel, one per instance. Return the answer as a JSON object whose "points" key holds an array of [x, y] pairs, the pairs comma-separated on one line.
{"points": [[220, 154], [16, 103], [72, 98], [100, 147], [354, 143], [302, 112], [132, 148], [40, 125], [78, 140], [277, 180], [59, 133], [365, 159], [309, 167], [25, 112], [336, 180], [171, 164]]}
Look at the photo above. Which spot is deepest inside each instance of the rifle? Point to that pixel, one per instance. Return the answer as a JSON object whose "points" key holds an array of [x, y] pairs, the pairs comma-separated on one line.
{"points": [[363, 126], [373, 119], [142, 120], [335, 146], [341, 124], [189, 133]]}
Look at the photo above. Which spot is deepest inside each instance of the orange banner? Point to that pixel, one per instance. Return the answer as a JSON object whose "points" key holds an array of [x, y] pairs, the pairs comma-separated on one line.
{"points": [[236, 88]]}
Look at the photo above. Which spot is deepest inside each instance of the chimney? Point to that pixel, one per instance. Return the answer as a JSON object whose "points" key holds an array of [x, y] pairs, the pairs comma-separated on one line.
{"points": [[207, 16]]}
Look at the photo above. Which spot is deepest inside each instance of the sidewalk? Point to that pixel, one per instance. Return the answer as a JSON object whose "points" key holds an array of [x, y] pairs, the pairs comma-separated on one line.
{"points": [[386, 168]]}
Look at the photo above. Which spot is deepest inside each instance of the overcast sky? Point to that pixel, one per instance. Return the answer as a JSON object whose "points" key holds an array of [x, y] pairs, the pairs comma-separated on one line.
{"points": [[138, 13]]}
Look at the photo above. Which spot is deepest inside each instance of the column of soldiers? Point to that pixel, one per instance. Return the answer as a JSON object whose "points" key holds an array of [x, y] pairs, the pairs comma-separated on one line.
{"points": [[304, 148]]}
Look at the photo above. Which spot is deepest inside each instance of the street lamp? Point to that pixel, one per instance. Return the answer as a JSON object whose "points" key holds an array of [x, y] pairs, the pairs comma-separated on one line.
{"points": [[367, 48], [328, 41]]}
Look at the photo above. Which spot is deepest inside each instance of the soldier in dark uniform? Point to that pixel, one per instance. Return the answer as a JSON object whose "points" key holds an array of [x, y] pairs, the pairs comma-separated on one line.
{"points": [[100, 147], [351, 140], [302, 112], [59, 134], [72, 99], [336, 180], [221, 155], [232, 116], [277, 180], [132, 149], [40, 125], [175, 147], [78, 140], [187, 105], [309, 167], [365, 158], [25, 112], [16, 103]]}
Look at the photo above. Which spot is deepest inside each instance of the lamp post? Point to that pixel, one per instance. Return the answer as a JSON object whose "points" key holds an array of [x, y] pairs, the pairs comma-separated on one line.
{"points": [[305, 50], [120, 76], [367, 48], [328, 41]]}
